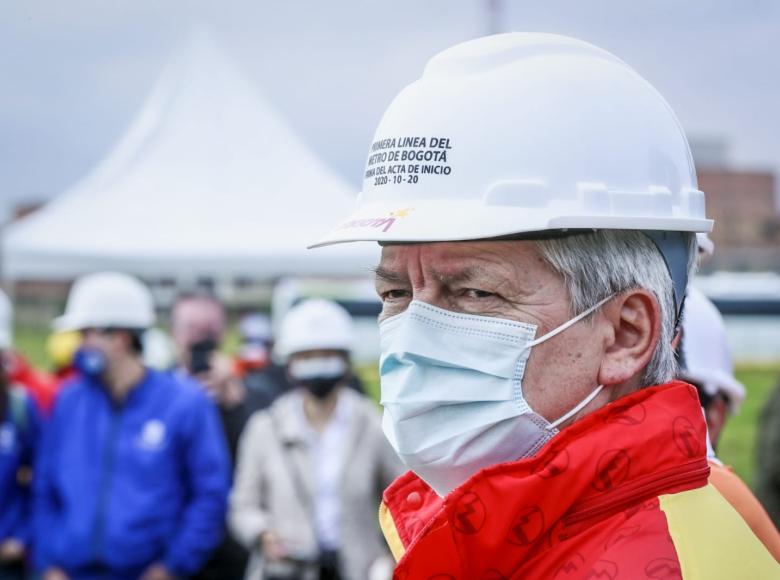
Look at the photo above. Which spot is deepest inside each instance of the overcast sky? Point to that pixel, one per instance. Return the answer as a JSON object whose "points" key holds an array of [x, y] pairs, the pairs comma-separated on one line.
{"points": [[74, 73]]}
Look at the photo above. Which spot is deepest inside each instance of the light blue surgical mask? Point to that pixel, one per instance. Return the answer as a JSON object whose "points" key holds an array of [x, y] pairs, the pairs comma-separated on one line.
{"points": [[452, 392]]}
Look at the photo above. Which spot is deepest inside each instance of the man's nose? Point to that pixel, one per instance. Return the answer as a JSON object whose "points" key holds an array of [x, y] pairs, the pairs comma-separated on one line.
{"points": [[428, 293]]}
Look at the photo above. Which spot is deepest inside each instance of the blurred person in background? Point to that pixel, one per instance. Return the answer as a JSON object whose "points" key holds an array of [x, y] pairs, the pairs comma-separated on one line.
{"points": [[705, 362], [19, 440], [254, 351], [198, 328], [704, 355], [264, 378], [19, 371], [133, 471], [311, 469], [61, 348]]}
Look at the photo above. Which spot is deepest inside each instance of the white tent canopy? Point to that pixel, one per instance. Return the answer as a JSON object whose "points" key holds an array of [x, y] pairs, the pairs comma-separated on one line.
{"points": [[208, 181]]}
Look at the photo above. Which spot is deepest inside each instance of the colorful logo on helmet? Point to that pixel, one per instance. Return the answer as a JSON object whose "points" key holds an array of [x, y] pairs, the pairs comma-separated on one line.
{"points": [[383, 223]]}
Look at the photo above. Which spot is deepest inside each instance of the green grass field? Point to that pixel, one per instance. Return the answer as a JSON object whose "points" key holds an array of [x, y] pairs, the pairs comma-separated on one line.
{"points": [[737, 446], [738, 442], [31, 341]]}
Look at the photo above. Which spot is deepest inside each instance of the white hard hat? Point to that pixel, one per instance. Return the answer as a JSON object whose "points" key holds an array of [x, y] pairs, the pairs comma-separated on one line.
{"points": [[6, 321], [706, 357], [523, 132], [315, 324], [107, 300]]}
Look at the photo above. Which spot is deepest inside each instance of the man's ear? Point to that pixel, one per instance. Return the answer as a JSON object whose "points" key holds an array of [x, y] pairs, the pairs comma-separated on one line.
{"points": [[635, 320]]}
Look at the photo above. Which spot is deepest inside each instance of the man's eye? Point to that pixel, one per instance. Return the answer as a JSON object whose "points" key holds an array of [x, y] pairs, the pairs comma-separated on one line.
{"points": [[397, 294], [476, 293]]}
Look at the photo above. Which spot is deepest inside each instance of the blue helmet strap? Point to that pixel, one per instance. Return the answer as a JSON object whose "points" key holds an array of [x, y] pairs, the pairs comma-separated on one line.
{"points": [[674, 248]]}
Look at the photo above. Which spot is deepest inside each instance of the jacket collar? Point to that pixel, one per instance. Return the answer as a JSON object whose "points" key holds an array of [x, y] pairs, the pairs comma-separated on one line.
{"points": [[137, 392], [643, 445]]}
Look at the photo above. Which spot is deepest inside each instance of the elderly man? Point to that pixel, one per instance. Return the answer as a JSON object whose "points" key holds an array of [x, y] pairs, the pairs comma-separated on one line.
{"points": [[536, 202]]}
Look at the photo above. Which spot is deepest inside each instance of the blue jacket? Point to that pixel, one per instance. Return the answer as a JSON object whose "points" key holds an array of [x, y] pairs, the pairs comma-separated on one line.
{"points": [[19, 438], [120, 487]]}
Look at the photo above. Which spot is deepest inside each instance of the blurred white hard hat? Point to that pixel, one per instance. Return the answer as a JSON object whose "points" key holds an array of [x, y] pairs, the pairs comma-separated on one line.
{"points": [[568, 137], [706, 356], [315, 324], [6, 321], [107, 300], [255, 327]]}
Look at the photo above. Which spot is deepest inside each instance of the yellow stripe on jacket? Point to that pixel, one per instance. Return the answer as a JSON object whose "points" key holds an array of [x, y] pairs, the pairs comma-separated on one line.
{"points": [[712, 541], [390, 532]]}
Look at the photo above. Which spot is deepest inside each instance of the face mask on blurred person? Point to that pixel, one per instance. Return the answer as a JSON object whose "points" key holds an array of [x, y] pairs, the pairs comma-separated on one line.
{"points": [[318, 375], [452, 392], [90, 362]]}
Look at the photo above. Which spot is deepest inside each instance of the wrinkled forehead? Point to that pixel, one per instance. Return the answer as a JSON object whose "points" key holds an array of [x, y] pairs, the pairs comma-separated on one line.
{"points": [[506, 259]]}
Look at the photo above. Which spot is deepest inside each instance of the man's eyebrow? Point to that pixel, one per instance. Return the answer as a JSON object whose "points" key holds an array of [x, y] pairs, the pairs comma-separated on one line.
{"points": [[389, 276], [467, 274]]}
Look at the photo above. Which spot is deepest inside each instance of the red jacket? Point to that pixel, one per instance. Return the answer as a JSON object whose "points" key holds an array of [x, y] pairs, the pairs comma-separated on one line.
{"points": [[41, 386], [621, 493]]}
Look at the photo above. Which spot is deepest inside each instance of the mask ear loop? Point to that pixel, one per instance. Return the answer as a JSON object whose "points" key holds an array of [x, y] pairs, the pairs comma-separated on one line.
{"points": [[576, 409], [570, 323]]}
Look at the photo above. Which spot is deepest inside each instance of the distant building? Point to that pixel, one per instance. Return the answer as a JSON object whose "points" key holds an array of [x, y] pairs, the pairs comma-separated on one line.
{"points": [[747, 221], [744, 206]]}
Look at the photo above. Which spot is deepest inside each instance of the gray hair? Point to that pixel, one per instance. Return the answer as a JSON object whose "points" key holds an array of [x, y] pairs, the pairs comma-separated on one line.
{"points": [[599, 264]]}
